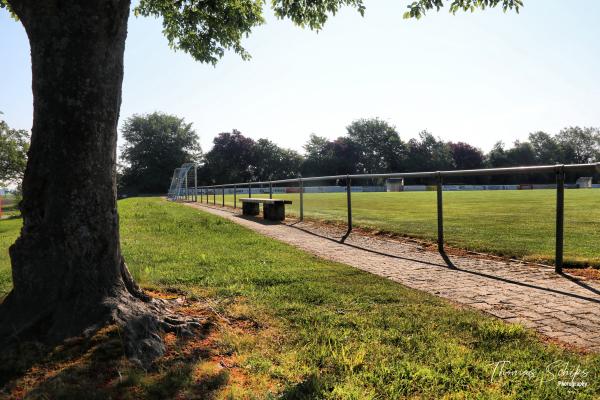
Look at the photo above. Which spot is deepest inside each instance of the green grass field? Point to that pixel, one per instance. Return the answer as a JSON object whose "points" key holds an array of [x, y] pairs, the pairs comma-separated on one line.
{"points": [[322, 329], [508, 223], [9, 205]]}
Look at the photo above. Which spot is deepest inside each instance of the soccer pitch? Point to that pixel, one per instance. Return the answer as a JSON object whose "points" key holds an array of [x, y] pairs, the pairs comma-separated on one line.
{"points": [[511, 223]]}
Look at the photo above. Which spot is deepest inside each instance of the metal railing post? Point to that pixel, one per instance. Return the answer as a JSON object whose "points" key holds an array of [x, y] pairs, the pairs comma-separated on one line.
{"points": [[223, 201], [348, 207], [249, 190], [270, 190], [186, 186], [560, 218], [214, 196], [301, 200], [195, 183], [440, 214], [234, 196]]}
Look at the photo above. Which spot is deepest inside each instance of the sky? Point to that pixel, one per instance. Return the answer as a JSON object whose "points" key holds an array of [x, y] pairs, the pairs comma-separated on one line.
{"points": [[477, 77]]}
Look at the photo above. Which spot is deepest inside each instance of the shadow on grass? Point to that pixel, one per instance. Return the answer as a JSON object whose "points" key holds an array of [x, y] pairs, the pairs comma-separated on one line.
{"points": [[312, 387], [448, 263], [97, 368]]}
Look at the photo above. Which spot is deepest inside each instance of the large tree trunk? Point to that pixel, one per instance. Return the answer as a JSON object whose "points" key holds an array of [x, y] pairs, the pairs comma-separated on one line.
{"points": [[68, 272]]}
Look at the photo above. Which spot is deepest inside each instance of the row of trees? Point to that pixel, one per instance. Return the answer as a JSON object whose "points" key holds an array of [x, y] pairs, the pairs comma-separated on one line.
{"points": [[374, 146], [157, 143]]}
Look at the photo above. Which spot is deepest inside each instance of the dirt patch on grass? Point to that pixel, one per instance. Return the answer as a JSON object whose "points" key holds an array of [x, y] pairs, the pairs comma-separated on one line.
{"points": [[586, 273], [96, 368]]}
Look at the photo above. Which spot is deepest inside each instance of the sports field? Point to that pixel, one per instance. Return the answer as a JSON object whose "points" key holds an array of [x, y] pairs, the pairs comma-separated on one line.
{"points": [[508, 223], [290, 325]]}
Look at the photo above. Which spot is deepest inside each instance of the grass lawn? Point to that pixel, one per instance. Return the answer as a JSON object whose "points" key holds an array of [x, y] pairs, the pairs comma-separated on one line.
{"points": [[316, 329], [515, 223], [9, 230], [9, 205]]}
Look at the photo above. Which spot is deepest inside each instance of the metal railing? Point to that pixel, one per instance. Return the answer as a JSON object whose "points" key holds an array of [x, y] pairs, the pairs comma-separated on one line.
{"points": [[558, 170]]}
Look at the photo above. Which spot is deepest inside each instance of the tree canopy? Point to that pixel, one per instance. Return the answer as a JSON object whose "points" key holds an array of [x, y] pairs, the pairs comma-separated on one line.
{"points": [[14, 144], [378, 142], [236, 158], [155, 144], [206, 29]]}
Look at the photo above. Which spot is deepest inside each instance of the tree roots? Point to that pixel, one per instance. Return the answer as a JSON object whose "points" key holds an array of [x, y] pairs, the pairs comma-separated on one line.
{"points": [[141, 319]]}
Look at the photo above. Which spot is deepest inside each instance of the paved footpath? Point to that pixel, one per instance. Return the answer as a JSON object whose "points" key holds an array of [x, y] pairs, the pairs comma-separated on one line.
{"points": [[562, 307]]}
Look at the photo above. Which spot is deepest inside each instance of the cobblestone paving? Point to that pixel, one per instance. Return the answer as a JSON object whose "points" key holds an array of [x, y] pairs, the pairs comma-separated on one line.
{"points": [[562, 307]]}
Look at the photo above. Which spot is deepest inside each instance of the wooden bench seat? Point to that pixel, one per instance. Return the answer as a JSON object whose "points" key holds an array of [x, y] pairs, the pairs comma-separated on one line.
{"points": [[273, 209]]}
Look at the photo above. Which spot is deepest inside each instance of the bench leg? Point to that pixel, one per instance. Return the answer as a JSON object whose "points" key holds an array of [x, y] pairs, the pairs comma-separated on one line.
{"points": [[250, 208], [274, 212]]}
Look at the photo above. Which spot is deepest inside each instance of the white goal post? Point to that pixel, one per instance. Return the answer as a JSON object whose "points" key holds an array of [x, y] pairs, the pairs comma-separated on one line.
{"points": [[184, 183]]}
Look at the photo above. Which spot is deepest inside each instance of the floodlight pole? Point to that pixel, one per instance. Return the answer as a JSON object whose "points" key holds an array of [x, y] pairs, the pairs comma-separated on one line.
{"points": [[560, 218]]}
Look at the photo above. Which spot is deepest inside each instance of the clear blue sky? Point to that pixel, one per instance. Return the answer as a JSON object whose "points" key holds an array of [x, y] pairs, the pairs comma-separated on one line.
{"points": [[477, 77]]}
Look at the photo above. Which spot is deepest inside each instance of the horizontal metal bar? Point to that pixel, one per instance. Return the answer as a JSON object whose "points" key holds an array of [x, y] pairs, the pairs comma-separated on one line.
{"points": [[537, 169]]}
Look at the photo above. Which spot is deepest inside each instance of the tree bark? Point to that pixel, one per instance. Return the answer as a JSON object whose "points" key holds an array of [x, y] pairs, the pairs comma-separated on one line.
{"points": [[68, 271]]}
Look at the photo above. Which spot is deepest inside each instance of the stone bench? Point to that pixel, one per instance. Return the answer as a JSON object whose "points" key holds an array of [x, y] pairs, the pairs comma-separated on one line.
{"points": [[273, 209]]}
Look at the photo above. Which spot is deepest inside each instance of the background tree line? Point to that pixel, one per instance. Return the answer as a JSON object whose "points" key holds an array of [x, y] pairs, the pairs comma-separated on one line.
{"points": [[157, 143], [374, 146]]}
